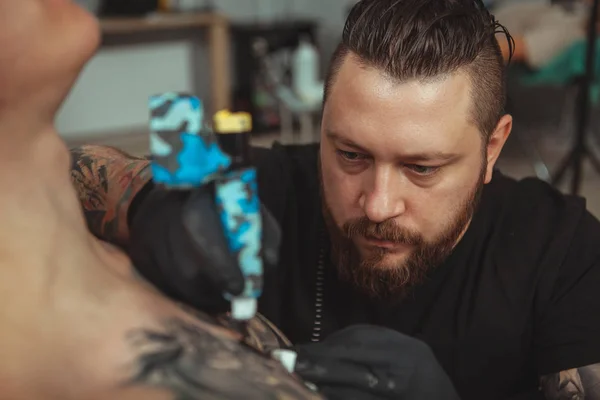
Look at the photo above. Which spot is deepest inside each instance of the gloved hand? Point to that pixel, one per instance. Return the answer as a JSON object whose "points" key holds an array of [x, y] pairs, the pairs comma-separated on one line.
{"points": [[369, 362], [177, 243]]}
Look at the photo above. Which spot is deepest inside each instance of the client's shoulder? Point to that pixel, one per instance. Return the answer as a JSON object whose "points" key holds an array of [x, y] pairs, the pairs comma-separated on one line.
{"points": [[188, 354]]}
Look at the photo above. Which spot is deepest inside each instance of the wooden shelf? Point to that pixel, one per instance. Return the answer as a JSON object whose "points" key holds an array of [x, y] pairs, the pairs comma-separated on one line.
{"points": [[216, 25], [158, 22]]}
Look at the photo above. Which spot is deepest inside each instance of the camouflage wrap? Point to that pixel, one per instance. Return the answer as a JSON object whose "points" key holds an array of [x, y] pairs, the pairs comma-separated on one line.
{"points": [[237, 199], [184, 155]]}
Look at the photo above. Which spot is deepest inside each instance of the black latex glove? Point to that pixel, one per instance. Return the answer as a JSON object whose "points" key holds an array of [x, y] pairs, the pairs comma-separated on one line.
{"points": [[177, 244], [368, 362]]}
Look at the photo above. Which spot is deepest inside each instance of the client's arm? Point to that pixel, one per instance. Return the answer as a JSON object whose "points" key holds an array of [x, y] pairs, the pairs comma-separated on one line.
{"points": [[107, 180], [174, 238]]}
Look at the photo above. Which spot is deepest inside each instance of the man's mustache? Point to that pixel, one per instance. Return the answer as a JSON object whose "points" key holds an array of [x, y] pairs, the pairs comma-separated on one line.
{"points": [[387, 230]]}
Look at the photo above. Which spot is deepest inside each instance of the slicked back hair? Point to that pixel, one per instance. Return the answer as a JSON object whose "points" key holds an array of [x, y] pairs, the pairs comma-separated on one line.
{"points": [[428, 39]]}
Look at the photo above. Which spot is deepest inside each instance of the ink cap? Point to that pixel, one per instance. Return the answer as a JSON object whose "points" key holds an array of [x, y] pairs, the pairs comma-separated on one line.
{"points": [[225, 122]]}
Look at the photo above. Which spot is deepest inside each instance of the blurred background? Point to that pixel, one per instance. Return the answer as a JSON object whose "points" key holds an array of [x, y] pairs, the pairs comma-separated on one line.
{"points": [[268, 57]]}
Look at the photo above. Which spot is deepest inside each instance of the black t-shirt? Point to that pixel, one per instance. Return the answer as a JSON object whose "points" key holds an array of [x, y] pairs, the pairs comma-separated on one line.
{"points": [[519, 296]]}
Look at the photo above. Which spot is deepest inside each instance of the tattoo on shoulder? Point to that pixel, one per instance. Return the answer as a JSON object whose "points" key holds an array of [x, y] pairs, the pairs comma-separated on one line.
{"points": [[192, 362], [106, 180], [261, 334], [573, 384]]}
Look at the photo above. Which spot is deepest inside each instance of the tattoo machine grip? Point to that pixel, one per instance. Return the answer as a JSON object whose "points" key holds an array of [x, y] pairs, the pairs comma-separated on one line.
{"points": [[237, 198], [185, 155]]}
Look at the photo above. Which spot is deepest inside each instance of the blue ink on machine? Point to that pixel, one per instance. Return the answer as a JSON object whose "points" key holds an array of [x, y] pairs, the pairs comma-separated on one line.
{"points": [[237, 198], [184, 155], [187, 155]]}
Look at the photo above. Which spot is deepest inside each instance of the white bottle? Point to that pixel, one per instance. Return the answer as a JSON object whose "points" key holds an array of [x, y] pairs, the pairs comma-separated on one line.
{"points": [[305, 70]]}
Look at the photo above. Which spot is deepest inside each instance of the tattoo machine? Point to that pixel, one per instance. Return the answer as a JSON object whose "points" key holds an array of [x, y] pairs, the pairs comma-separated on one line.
{"points": [[186, 154], [237, 198]]}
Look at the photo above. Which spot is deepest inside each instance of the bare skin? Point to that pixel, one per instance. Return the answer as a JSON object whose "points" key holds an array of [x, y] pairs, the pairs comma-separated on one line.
{"points": [[77, 323]]}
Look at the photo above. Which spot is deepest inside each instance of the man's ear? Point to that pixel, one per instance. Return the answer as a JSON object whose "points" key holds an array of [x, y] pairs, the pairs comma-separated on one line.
{"points": [[496, 143]]}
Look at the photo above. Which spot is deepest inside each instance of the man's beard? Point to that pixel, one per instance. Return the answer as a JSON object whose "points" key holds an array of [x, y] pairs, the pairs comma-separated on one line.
{"points": [[393, 282]]}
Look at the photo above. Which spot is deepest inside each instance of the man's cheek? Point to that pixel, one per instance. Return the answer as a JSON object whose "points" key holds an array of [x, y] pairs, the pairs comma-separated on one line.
{"points": [[334, 186], [330, 175]]}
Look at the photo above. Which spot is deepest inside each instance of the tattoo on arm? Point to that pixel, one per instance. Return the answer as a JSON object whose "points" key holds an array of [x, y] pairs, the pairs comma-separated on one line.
{"points": [[192, 362], [574, 384], [106, 180]]}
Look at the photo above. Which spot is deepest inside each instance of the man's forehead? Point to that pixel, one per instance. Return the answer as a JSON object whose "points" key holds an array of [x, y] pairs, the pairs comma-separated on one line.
{"points": [[356, 81], [414, 116]]}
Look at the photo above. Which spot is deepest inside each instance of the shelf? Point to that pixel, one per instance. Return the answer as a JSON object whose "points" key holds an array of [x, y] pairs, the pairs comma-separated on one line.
{"points": [[160, 22]]}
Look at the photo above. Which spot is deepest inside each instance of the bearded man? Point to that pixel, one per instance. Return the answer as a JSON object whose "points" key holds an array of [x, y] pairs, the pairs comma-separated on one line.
{"points": [[398, 217]]}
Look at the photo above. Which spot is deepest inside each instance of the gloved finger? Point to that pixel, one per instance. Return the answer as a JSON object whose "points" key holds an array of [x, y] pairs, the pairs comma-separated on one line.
{"points": [[391, 358], [353, 376], [164, 256], [271, 239], [202, 222], [192, 281], [147, 258]]}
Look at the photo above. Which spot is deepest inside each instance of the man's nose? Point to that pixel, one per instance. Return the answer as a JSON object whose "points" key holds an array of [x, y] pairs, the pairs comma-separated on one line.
{"points": [[382, 198]]}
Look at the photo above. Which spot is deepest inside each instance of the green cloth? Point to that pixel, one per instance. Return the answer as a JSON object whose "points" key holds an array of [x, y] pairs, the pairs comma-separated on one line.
{"points": [[563, 69]]}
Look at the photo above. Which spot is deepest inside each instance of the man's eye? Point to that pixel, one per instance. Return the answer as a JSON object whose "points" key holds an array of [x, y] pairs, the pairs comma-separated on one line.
{"points": [[350, 155], [422, 169]]}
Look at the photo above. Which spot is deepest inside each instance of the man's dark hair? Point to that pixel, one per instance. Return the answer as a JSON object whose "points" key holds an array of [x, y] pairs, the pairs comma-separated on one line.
{"points": [[424, 39]]}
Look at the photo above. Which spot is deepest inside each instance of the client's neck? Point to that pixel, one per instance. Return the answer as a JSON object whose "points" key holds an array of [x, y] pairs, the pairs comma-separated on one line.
{"points": [[39, 206], [33, 162], [23, 134]]}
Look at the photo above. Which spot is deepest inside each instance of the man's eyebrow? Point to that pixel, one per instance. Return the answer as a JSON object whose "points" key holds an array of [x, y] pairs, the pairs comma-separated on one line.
{"points": [[430, 156], [438, 156], [337, 138]]}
